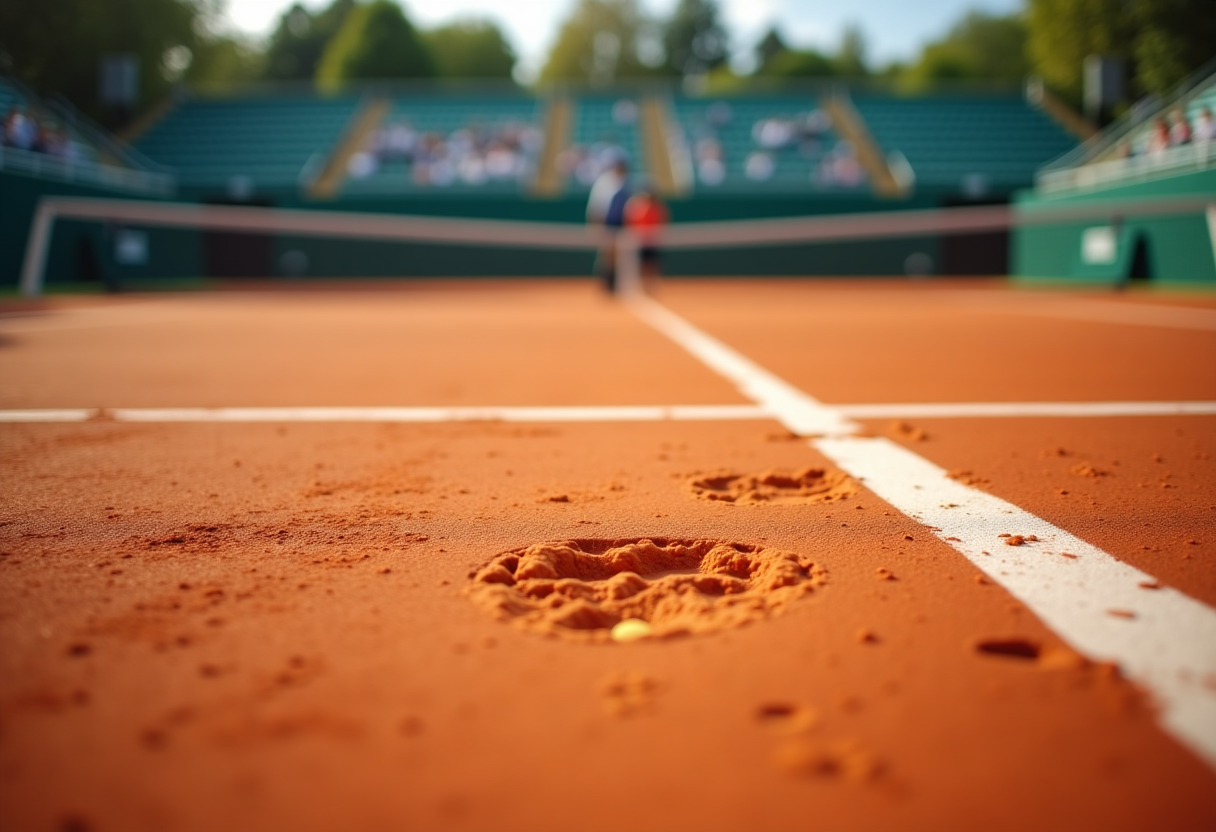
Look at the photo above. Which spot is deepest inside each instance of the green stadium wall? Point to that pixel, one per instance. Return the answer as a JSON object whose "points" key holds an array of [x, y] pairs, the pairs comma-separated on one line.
{"points": [[84, 251], [1177, 248]]}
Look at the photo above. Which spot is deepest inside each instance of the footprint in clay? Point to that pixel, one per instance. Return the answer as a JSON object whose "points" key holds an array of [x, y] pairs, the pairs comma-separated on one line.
{"points": [[639, 590], [776, 487]]}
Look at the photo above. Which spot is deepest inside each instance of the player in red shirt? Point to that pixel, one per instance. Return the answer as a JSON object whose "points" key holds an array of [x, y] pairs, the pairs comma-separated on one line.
{"points": [[645, 215]]}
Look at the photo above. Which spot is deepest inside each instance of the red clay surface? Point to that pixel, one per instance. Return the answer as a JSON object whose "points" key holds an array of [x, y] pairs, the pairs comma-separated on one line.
{"points": [[266, 626]]}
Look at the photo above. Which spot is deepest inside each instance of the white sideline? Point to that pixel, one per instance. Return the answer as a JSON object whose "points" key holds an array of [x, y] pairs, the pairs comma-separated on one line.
{"points": [[967, 410], [628, 413], [1168, 646]]}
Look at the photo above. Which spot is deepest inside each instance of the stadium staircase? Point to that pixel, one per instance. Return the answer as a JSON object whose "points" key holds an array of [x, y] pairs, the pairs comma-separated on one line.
{"points": [[1038, 94], [363, 125], [654, 120], [889, 177], [550, 181]]}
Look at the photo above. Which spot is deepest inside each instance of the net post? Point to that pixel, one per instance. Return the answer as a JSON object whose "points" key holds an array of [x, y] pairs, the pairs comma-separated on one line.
{"points": [[628, 264], [33, 269]]}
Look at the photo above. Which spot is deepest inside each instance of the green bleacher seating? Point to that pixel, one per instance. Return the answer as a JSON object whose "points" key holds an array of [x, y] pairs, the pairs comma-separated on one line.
{"points": [[444, 118], [603, 124], [970, 144], [803, 164], [267, 139]]}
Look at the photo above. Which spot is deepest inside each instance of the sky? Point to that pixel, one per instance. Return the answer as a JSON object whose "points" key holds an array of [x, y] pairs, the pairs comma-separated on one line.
{"points": [[894, 29]]}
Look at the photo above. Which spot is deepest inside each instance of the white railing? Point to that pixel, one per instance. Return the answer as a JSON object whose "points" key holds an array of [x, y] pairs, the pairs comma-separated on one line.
{"points": [[92, 173], [1189, 157]]}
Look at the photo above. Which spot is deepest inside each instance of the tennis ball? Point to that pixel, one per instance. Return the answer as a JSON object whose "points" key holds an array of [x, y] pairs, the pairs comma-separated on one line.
{"points": [[631, 629]]}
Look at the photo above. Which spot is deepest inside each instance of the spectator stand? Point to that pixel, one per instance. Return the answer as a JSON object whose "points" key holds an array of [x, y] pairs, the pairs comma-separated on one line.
{"points": [[1153, 139], [606, 128], [48, 139], [452, 142], [977, 147], [236, 148], [769, 143]]}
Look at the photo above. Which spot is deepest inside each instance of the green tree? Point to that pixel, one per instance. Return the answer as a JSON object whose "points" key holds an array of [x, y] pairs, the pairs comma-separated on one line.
{"points": [[775, 59], [470, 49], [1163, 41], [1061, 33], [694, 39], [298, 42], [850, 58], [980, 46], [376, 41], [769, 47], [223, 62], [799, 63], [599, 43], [56, 45], [1174, 38]]}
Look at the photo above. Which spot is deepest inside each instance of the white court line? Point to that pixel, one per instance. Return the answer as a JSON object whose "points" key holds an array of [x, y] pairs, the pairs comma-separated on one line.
{"points": [[76, 414], [794, 408], [964, 410], [1169, 646], [635, 413]]}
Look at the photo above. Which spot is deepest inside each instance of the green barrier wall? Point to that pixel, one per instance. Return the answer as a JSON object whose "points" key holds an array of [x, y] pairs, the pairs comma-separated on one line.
{"points": [[85, 251], [1175, 249], [81, 251]]}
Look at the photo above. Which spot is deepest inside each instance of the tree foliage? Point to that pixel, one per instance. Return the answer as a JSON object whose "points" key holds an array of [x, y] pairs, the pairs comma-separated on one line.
{"points": [[1174, 38], [298, 42], [1163, 41], [471, 49], [223, 62], [768, 48], [850, 59], [694, 39], [777, 60], [56, 45], [599, 42], [800, 63], [979, 47], [1063, 32], [376, 41]]}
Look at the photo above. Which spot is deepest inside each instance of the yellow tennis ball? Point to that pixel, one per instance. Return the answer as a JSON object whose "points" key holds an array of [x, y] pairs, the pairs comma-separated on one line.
{"points": [[631, 629]]}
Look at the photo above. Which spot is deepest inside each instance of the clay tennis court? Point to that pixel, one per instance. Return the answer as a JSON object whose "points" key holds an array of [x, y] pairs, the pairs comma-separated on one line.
{"points": [[280, 617]]}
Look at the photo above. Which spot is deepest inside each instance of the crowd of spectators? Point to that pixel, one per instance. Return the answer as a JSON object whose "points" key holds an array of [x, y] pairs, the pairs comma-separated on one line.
{"points": [[1173, 130], [26, 130], [475, 154], [586, 163], [805, 135]]}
